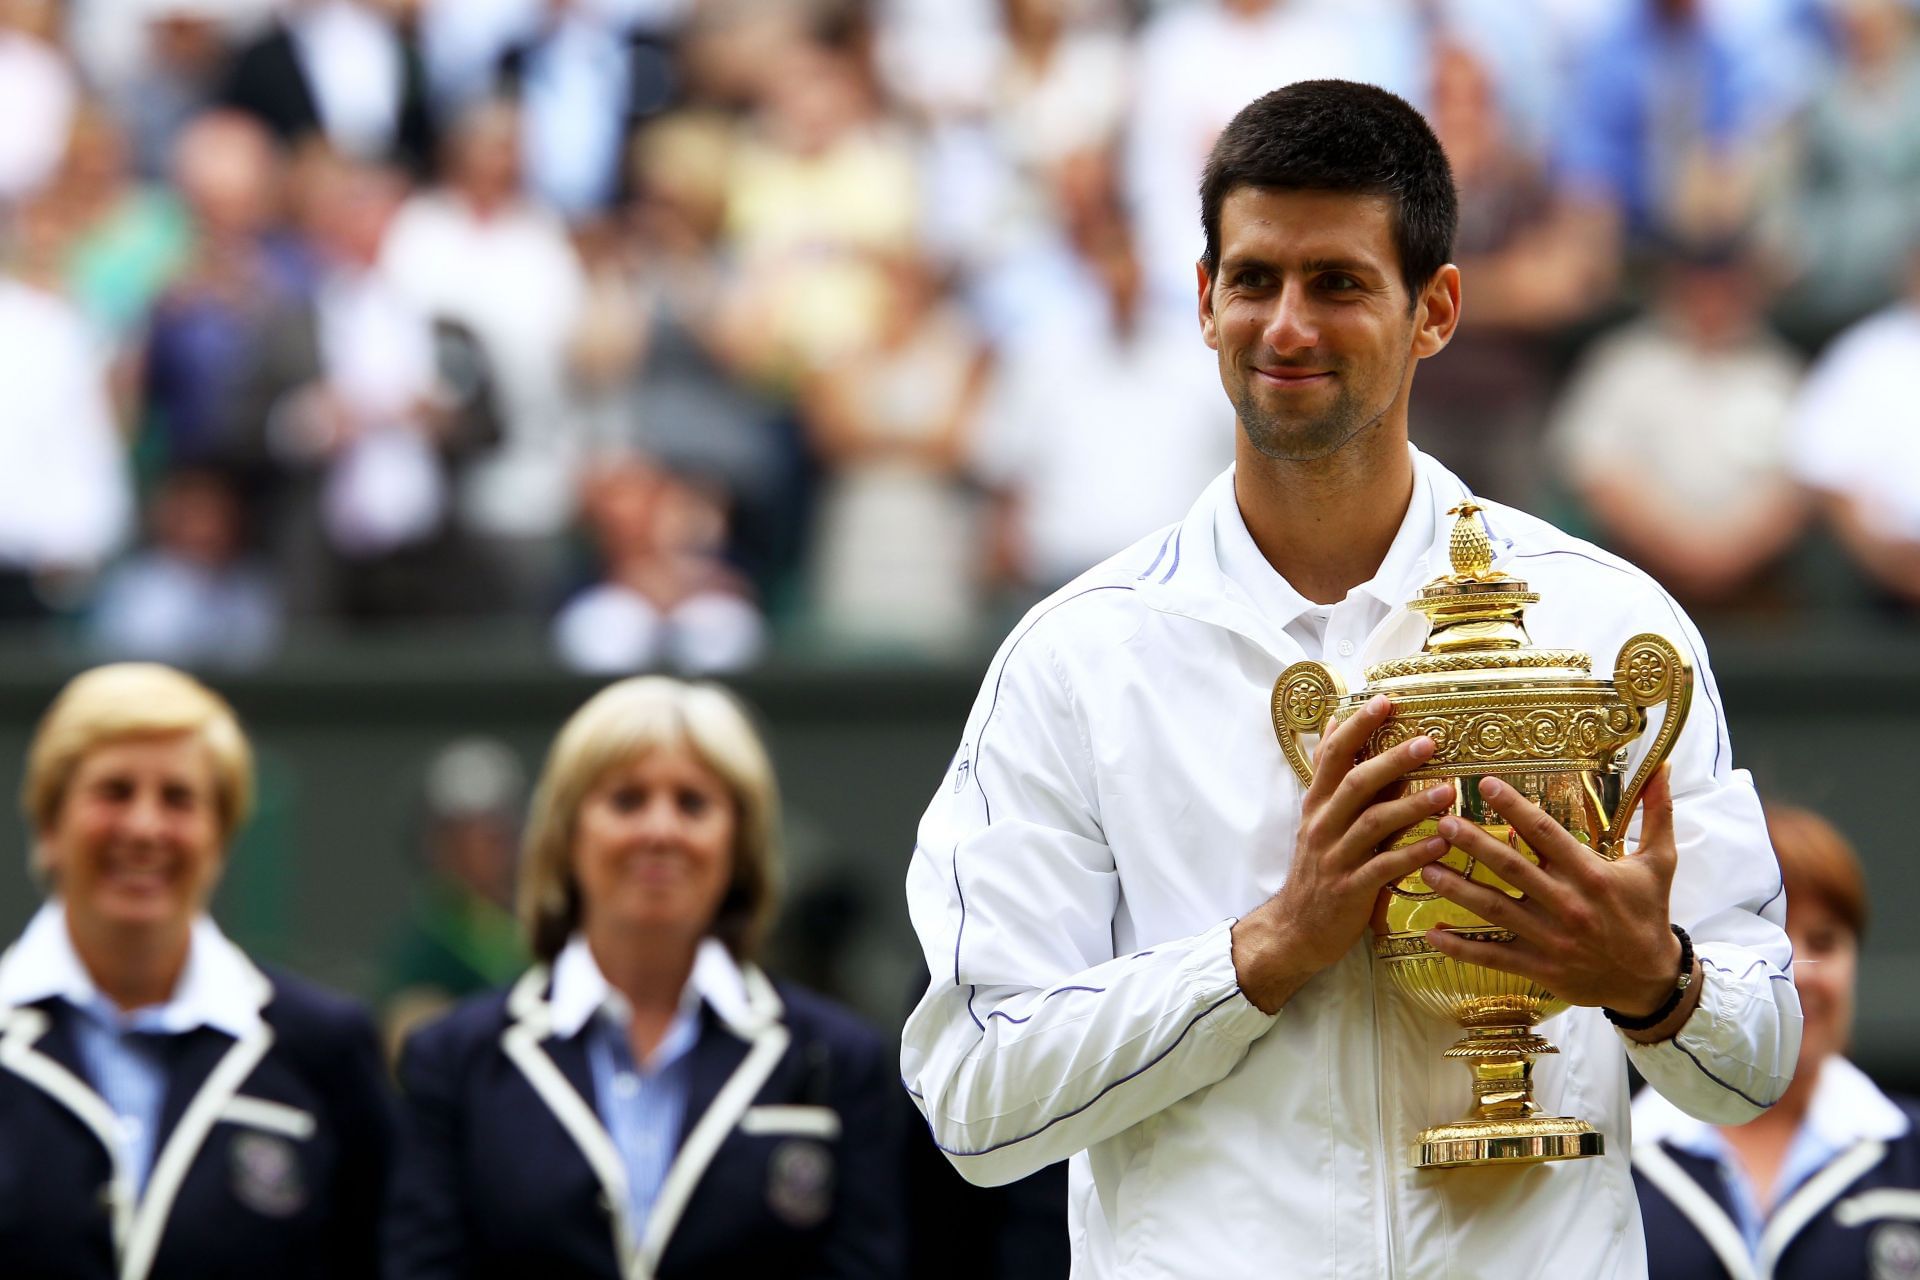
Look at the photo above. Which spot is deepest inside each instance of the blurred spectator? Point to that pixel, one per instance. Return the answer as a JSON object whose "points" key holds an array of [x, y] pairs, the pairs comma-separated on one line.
{"points": [[65, 495], [663, 374], [1199, 63], [459, 936], [822, 187], [1850, 202], [364, 406], [1856, 442], [665, 597], [38, 95], [160, 63], [130, 238], [204, 333], [475, 252], [1533, 269], [347, 71], [1656, 133], [895, 551], [583, 83], [1673, 432], [1092, 438], [192, 597]]}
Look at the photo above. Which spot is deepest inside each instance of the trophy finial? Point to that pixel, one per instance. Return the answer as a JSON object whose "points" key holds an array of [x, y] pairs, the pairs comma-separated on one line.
{"points": [[1469, 547]]}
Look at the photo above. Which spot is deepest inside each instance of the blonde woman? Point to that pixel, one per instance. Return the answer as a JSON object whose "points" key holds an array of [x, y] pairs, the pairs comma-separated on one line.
{"points": [[644, 1102], [167, 1110]]}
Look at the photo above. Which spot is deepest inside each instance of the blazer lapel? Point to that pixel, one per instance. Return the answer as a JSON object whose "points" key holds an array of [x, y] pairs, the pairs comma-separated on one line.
{"points": [[37, 1045], [715, 1056]]}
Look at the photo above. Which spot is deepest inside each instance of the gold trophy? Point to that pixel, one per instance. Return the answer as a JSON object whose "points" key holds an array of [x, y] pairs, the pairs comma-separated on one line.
{"points": [[1538, 720]]}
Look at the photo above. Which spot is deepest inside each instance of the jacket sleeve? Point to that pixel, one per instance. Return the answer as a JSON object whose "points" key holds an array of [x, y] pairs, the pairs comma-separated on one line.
{"points": [[427, 1232], [867, 1236], [1735, 1055], [1034, 1040]]}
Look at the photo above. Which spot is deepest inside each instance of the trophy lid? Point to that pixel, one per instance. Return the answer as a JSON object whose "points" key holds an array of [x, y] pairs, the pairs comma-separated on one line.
{"points": [[1477, 614]]}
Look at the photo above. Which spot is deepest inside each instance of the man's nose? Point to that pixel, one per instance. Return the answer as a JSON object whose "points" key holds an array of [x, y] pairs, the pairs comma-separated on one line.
{"points": [[1291, 325]]}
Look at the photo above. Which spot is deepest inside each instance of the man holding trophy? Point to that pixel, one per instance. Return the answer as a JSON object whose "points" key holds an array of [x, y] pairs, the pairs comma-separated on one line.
{"points": [[1277, 1002]]}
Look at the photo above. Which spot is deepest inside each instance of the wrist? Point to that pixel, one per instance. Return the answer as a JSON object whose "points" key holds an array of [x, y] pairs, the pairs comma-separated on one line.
{"points": [[1266, 965], [1664, 996]]}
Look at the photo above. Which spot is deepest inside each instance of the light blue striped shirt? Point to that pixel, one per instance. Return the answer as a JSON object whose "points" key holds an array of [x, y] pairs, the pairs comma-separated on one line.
{"points": [[119, 1053], [642, 1105]]}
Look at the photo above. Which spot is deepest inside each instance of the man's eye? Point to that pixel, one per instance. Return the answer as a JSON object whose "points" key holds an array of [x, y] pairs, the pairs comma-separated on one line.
{"points": [[1338, 282], [1252, 280]]}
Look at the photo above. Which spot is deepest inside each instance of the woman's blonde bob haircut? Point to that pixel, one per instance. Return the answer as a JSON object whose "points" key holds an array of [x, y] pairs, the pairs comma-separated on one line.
{"points": [[618, 725], [135, 700]]}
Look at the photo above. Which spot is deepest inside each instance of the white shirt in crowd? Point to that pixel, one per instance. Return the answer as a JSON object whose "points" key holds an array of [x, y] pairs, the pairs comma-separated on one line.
{"points": [[1856, 431], [1102, 437], [66, 497]]}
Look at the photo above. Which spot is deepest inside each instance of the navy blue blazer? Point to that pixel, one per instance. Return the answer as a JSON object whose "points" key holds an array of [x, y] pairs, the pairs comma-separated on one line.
{"points": [[788, 1161], [1857, 1219], [272, 1158]]}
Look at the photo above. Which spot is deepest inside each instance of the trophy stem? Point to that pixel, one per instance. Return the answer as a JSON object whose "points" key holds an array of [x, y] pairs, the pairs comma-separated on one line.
{"points": [[1506, 1126]]}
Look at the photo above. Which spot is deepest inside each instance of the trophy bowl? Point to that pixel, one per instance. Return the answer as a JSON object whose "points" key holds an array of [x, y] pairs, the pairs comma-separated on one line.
{"points": [[1540, 721]]}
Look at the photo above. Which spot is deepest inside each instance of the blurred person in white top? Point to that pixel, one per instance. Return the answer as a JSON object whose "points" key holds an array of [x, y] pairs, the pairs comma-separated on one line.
{"points": [[1856, 442], [1673, 432], [38, 95], [473, 250], [1092, 435], [65, 494]]}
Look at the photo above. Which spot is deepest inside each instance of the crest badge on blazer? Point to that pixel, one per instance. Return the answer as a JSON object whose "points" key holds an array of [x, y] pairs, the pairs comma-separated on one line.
{"points": [[266, 1174], [1893, 1251], [800, 1182]]}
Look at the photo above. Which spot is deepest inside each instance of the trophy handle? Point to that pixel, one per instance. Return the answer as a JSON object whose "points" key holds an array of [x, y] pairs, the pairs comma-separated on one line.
{"points": [[1650, 671], [1304, 699]]}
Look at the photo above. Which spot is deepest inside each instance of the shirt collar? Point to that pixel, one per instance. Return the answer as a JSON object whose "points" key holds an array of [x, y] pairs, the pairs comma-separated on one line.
{"points": [[1275, 598], [1846, 1108], [218, 988], [580, 990]]}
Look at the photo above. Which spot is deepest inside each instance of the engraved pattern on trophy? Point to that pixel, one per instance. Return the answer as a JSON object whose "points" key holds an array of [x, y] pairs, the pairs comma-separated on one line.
{"points": [[1541, 721]]}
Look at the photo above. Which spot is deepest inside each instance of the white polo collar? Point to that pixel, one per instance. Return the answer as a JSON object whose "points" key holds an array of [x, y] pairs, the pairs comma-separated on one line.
{"points": [[218, 988], [580, 989], [1847, 1108]]}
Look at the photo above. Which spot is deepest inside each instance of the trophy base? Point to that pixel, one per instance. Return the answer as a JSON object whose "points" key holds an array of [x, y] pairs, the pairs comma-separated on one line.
{"points": [[1525, 1140]]}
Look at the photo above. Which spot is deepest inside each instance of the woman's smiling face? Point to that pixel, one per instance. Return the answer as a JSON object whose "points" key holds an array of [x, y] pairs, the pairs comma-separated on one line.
{"points": [[137, 839], [653, 844]]}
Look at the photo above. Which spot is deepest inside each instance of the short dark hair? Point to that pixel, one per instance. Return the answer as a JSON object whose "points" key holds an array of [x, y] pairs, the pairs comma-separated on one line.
{"points": [[1336, 135]]}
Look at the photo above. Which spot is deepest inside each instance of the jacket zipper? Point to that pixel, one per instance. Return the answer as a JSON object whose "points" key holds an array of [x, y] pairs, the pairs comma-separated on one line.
{"points": [[1382, 1154]]}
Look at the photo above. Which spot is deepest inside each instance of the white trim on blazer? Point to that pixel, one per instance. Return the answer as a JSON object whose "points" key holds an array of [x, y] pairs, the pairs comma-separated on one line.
{"points": [[758, 1023]]}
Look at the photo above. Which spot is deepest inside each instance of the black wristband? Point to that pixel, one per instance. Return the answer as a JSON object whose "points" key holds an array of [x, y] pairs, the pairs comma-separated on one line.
{"points": [[1627, 1022]]}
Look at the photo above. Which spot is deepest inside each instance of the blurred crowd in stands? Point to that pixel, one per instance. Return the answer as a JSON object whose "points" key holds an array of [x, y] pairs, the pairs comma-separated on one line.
{"points": [[689, 329]]}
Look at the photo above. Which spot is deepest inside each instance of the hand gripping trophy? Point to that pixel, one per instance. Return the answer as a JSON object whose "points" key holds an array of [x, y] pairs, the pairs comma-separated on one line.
{"points": [[1540, 721]]}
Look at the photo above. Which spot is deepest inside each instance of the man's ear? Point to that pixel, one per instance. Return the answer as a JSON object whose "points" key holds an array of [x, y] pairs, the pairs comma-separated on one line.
{"points": [[1438, 313], [1205, 281]]}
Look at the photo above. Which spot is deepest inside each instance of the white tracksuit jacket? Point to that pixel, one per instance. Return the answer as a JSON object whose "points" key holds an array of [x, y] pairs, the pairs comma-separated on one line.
{"points": [[1118, 799]]}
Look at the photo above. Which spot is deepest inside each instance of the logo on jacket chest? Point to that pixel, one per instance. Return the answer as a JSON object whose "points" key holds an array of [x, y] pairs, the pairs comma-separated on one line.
{"points": [[800, 1182], [266, 1175], [1893, 1251]]}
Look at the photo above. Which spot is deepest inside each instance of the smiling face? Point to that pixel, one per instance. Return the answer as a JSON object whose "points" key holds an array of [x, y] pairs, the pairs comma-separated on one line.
{"points": [[136, 841], [1826, 956], [653, 845], [1311, 320]]}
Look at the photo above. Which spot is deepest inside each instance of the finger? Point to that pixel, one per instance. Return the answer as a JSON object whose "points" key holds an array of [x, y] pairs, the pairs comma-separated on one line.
{"points": [[1550, 841], [1656, 818], [1504, 861], [1395, 865], [1491, 905], [1342, 742], [1517, 957], [1363, 786], [1380, 824]]}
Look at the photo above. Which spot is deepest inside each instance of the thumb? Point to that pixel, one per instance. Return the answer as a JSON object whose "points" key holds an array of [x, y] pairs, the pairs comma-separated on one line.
{"points": [[1656, 815]]}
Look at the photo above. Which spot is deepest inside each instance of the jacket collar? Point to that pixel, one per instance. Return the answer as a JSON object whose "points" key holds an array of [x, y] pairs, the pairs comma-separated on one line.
{"points": [[580, 990], [219, 988], [1209, 569]]}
